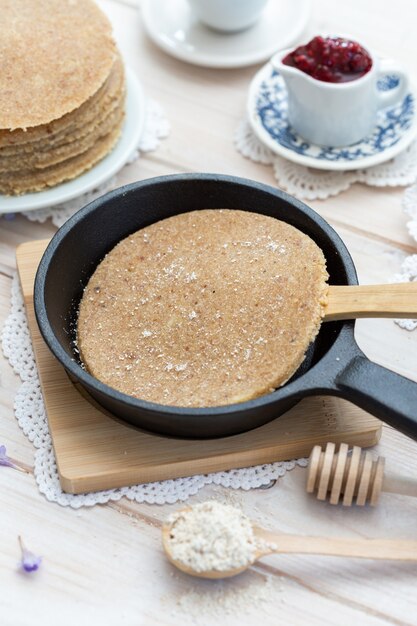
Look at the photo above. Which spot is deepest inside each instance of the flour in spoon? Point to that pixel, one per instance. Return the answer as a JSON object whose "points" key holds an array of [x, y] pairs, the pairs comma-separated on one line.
{"points": [[212, 536]]}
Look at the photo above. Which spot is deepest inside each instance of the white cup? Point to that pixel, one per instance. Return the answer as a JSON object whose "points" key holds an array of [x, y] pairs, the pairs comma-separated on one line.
{"points": [[338, 114], [228, 15]]}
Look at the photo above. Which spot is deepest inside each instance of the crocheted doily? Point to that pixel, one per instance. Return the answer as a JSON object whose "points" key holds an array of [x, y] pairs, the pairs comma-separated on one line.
{"points": [[312, 184], [156, 127], [408, 272], [30, 413]]}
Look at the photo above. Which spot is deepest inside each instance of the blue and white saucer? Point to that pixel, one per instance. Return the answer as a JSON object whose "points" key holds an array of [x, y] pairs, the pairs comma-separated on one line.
{"points": [[267, 109]]}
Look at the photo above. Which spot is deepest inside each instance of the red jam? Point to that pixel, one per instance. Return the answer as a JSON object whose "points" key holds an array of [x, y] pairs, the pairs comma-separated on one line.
{"points": [[331, 59]]}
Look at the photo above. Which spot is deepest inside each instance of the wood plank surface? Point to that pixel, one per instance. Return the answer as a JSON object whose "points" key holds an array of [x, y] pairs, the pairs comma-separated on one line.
{"points": [[105, 564]]}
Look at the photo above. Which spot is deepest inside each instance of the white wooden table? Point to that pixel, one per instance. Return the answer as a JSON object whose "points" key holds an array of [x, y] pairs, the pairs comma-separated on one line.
{"points": [[105, 565]]}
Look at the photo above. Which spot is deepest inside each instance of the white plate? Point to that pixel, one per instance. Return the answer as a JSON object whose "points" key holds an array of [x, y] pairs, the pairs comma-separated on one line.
{"points": [[395, 129], [105, 169], [173, 27]]}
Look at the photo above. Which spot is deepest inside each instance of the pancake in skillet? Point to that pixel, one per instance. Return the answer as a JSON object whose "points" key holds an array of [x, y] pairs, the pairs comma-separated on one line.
{"points": [[205, 308]]}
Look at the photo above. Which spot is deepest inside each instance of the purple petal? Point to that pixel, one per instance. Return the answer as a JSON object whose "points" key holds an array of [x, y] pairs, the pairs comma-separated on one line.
{"points": [[4, 460], [30, 562]]}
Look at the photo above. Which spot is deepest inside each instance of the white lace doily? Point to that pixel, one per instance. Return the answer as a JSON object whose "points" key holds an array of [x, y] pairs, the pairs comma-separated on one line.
{"points": [[30, 413], [312, 184], [156, 127], [408, 272], [410, 209]]}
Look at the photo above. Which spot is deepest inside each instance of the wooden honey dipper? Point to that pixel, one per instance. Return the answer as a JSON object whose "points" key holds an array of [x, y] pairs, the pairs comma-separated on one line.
{"points": [[360, 475]]}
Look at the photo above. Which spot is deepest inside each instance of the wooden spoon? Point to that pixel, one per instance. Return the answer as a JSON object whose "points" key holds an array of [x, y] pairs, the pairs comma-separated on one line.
{"points": [[282, 543], [354, 301]]}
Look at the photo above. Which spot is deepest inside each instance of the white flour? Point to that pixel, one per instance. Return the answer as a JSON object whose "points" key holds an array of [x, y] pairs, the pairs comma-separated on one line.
{"points": [[225, 599], [212, 536]]}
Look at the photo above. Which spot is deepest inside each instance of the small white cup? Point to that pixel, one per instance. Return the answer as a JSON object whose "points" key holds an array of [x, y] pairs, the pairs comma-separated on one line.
{"points": [[338, 114], [228, 15]]}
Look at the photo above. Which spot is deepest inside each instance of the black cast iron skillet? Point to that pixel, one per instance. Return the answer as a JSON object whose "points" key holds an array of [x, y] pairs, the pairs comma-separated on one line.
{"points": [[334, 364]]}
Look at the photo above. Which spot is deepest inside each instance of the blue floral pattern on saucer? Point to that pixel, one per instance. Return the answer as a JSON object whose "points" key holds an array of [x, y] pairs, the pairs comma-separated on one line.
{"points": [[388, 82], [268, 115]]}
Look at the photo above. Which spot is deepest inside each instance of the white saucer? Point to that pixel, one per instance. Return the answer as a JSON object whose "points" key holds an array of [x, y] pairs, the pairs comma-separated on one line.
{"points": [[173, 27], [105, 169], [395, 129]]}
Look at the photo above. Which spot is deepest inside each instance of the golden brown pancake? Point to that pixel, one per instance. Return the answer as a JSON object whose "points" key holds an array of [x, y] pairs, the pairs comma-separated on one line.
{"points": [[54, 55], [205, 308], [36, 180], [52, 155], [62, 92], [71, 124]]}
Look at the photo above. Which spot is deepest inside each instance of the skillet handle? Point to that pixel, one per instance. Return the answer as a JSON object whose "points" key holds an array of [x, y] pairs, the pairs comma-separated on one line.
{"points": [[387, 395]]}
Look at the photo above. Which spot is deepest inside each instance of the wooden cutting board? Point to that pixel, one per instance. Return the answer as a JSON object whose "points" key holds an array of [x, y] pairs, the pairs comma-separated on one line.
{"points": [[96, 451]]}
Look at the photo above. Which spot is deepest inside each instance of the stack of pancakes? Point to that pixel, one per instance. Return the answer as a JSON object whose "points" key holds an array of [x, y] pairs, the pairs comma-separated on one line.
{"points": [[62, 91]]}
